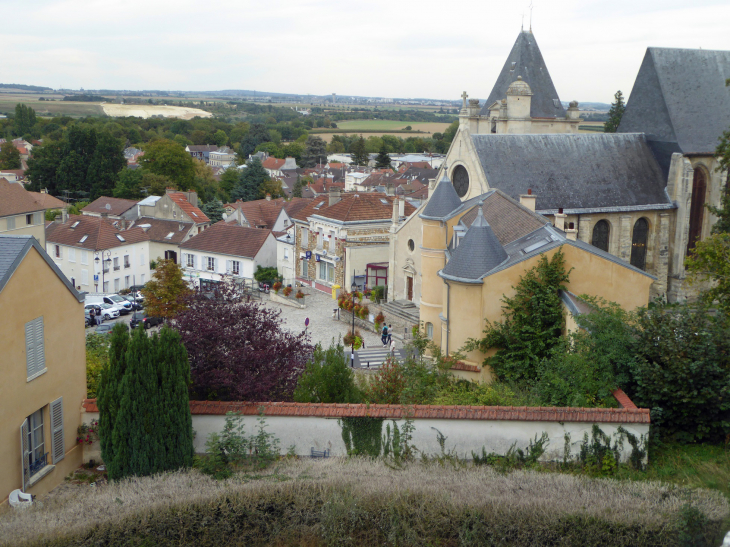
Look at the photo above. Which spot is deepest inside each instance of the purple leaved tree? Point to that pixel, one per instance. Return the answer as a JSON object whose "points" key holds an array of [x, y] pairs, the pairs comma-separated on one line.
{"points": [[238, 350]]}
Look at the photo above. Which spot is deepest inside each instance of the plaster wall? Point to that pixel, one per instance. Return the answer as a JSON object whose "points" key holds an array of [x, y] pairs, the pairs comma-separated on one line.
{"points": [[34, 290], [38, 231]]}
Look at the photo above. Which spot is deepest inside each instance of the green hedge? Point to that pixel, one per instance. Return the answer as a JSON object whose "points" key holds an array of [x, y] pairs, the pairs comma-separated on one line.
{"points": [[297, 513]]}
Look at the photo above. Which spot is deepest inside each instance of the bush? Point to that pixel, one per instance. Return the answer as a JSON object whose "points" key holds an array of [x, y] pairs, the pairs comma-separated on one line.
{"points": [[463, 392], [299, 295], [276, 287], [266, 275], [377, 293], [97, 357], [287, 291], [328, 378]]}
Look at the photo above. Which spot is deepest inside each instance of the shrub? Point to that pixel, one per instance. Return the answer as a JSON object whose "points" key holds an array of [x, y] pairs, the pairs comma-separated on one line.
{"points": [[387, 385], [97, 357], [379, 320], [463, 392], [287, 291], [266, 275], [328, 378], [299, 295], [276, 287], [377, 293]]}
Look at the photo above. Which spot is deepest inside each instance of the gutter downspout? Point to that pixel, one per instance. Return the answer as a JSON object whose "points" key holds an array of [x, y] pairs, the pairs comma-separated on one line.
{"points": [[448, 315]]}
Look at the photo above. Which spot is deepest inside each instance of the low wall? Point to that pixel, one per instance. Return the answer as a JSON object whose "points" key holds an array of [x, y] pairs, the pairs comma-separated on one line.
{"points": [[293, 302], [467, 429]]}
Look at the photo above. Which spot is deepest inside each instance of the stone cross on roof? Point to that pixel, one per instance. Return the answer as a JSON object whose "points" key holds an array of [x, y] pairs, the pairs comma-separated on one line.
{"points": [[464, 96]]}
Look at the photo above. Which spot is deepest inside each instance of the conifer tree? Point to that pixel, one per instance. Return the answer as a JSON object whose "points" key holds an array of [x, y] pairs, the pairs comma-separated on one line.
{"points": [[382, 161], [214, 210], [359, 153], [108, 391], [615, 114]]}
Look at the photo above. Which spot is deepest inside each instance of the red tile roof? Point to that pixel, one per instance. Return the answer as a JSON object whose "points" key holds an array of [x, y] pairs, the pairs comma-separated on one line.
{"points": [[159, 229], [353, 207], [117, 206], [260, 213], [485, 413], [100, 233], [273, 163], [47, 201], [16, 200], [195, 214], [228, 239]]}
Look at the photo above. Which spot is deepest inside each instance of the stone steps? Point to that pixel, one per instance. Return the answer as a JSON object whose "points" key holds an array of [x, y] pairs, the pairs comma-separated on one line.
{"points": [[407, 312]]}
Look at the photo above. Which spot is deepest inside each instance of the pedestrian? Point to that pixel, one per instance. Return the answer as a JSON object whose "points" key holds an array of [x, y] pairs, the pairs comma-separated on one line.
{"points": [[98, 317], [392, 348], [92, 315], [384, 335], [390, 333]]}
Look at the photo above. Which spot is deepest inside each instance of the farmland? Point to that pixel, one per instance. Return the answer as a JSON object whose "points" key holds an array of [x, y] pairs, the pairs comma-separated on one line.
{"points": [[378, 128]]}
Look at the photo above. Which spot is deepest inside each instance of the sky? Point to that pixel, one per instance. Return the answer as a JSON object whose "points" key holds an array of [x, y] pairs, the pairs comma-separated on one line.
{"points": [[375, 48]]}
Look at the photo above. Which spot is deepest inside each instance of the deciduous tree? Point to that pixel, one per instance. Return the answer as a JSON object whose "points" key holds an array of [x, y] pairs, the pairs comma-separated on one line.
{"points": [[168, 158], [167, 292], [9, 156], [238, 350], [328, 378]]}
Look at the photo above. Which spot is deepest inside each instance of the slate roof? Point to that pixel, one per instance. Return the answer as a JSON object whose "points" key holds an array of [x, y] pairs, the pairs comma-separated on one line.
{"points": [[202, 147], [577, 172], [100, 233], [195, 214], [526, 60], [443, 201], [228, 239], [16, 200], [680, 97], [13, 250], [117, 206], [159, 229], [479, 252]]}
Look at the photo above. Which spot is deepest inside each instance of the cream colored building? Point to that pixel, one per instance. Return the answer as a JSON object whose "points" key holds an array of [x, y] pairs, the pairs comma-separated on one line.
{"points": [[20, 213], [43, 369]]}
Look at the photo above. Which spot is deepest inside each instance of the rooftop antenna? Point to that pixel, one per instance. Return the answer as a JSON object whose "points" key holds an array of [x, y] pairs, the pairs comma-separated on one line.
{"points": [[522, 26], [530, 16]]}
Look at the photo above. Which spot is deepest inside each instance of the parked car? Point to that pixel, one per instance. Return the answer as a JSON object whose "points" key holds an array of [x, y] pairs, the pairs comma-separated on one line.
{"points": [[104, 329], [109, 312], [142, 318], [124, 305], [136, 303]]}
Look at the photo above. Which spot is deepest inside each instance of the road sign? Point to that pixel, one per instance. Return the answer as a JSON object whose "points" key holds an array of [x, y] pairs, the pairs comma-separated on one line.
{"points": [[306, 322]]}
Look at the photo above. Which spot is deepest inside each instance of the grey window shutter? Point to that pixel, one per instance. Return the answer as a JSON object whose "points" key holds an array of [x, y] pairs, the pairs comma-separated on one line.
{"points": [[30, 348], [229, 266], [58, 450], [195, 261], [25, 453], [40, 346]]}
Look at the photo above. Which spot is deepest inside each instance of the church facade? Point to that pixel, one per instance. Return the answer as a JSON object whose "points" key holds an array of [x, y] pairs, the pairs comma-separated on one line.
{"points": [[638, 194]]}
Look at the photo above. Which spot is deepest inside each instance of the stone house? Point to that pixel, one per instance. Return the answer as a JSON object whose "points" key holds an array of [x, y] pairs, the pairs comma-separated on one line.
{"points": [[201, 151], [343, 238], [223, 157], [39, 404]]}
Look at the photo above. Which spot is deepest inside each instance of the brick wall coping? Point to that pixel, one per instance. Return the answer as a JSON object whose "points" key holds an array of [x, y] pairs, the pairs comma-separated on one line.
{"points": [[464, 366], [487, 413]]}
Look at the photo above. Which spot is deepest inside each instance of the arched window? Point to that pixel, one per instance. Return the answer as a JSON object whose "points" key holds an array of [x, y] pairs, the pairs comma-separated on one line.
{"points": [[601, 231], [429, 331], [638, 244], [697, 208]]}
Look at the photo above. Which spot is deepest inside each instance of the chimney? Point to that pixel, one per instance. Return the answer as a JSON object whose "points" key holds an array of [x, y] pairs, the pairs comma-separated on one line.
{"points": [[401, 207], [571, 232], [268, 197], [334, 195], [528, 200], [560, 220], [64, 215], [396, 210]]}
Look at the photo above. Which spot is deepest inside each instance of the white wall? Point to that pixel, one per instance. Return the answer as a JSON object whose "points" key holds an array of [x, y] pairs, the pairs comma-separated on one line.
{"points": [[284, 265], [463, 436]]}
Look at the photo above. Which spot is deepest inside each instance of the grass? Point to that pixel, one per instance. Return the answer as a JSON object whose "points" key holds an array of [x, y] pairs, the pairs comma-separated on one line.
{"points": [[365, 502], [46, 108], [389, 125]]}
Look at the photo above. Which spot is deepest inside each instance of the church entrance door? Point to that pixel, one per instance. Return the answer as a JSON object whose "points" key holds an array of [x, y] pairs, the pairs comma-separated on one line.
{"points": [[409, 288]]}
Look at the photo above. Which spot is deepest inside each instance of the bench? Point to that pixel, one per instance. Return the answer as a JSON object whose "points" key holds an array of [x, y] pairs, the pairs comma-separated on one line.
{"points": [[320, 453]]}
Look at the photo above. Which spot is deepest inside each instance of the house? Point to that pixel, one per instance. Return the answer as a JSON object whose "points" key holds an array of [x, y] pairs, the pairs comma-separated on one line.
{"points": [[223, 157], [80, 244], [227, 250], [47, 201], [176, 206], [269, 214], [13, 175], [273, 166], [473, 253], [116, 208], [344, 237], [39, 404], [20, 213], [165, 236], [285, 257], [201, 151]]}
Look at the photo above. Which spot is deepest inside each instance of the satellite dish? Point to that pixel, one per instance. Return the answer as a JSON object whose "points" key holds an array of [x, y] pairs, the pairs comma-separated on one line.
{"points": [[108, 207]]}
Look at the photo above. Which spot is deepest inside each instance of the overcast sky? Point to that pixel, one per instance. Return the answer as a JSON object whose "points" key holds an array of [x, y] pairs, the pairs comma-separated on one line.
{"points": [[375, 48]]}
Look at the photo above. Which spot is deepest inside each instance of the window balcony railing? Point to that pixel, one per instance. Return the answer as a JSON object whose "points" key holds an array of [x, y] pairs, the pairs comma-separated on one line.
{"points": [[38, 464], [127, 265], [117, 268]]}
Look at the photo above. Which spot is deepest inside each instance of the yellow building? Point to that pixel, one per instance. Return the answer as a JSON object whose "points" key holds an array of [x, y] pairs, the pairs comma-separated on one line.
{"points": [[43, 367], [474, 252], [20, 212]]}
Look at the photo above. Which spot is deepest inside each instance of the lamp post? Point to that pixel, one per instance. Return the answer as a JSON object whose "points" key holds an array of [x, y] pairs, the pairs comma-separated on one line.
{"points": [[105, 253], [353, 292]]}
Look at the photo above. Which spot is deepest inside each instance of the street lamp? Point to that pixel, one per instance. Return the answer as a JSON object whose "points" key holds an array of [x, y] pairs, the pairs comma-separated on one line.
{"points": [[105, 253], [353, 292]]}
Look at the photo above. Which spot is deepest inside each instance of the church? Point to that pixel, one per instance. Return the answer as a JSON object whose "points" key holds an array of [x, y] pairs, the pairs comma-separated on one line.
{"points": [[638, 195]]}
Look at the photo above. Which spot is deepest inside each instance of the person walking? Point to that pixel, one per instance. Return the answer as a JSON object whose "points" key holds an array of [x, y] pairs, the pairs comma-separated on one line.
{"points": [[390, 334], [92, 315], [392, 348], [384, 335]]}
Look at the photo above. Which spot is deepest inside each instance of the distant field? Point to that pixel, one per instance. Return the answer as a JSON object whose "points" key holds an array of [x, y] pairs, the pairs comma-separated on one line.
{"points": [[49, 108], [591, 127], [378, 128]]}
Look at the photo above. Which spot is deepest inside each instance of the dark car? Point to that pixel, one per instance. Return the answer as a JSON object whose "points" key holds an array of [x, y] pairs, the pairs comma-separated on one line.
{"points": [[141, 317]]}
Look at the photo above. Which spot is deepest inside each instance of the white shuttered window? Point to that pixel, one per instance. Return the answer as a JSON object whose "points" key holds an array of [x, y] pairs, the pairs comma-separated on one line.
{"points": [[57, 446], [35, 354]]}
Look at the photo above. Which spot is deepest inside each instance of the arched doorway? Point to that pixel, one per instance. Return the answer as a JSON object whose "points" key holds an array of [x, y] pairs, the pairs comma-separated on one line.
{"points": [[638, 244], [697, 208], [601, 232]]}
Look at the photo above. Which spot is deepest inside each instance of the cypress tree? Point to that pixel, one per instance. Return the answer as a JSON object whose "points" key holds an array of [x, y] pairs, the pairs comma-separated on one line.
{"points": [[383, 159], [108, 391], [174, 378]]}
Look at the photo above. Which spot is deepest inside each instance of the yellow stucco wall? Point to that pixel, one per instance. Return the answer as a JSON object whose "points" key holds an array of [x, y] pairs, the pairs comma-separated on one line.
{"points": [[38, 231], [34, 290]]}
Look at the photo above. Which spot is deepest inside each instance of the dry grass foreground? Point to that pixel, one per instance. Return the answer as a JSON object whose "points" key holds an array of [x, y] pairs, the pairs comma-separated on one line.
{"points": [[145, 111], [364, 502]]}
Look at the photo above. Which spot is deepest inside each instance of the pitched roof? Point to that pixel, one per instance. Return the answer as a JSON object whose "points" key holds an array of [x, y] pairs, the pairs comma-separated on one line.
{"points": [[228, 239], [356, 206], [15, 199], [100, 233], [260, 213], [479, 251], [526, 60], [47, 201], [443, 201], [160, 229], [680, 97], [202, 147], [273, 163], [13, 250], [195, 214], [117, 206], [574, 171]]}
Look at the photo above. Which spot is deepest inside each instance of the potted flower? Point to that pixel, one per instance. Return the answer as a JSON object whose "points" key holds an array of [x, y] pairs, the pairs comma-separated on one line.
{"points": [[379, 320], [299, 295], [287, 291], [277, 287], [364, 312]]}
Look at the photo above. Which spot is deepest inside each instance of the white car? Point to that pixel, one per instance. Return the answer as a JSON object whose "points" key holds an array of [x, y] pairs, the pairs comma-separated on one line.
{"points": [[109, 312]]}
